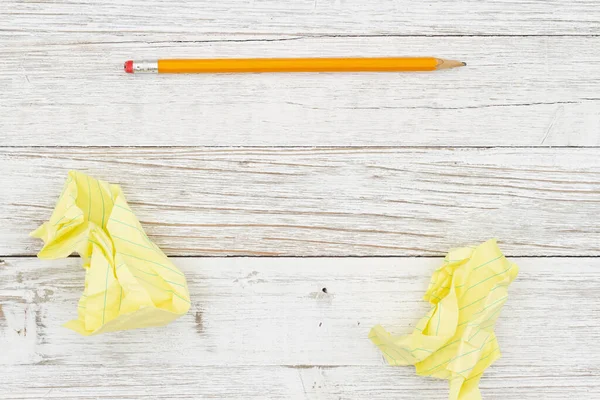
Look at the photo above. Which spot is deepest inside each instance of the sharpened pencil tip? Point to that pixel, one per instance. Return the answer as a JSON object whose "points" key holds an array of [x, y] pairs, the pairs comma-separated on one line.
{"points": [[445, 64]]}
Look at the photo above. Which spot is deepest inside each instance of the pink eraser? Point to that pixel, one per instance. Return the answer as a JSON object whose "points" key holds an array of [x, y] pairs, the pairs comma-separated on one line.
{"points": [[129, 67]]}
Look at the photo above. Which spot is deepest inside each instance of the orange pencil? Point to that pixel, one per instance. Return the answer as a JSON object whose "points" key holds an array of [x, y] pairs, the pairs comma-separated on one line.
{"points": [[245, 65]]}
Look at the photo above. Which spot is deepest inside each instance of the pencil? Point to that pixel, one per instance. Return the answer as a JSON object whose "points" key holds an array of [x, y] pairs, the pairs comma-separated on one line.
{"points": [[249, 65]]}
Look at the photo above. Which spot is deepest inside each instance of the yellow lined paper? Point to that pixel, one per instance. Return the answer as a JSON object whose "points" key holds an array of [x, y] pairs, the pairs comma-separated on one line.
{"points": [[456, 340], [129, 282]]}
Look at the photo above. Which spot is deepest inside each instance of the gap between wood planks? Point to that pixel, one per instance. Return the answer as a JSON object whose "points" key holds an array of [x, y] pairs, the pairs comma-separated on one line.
{"points": [[316, 256], [158, 147]]}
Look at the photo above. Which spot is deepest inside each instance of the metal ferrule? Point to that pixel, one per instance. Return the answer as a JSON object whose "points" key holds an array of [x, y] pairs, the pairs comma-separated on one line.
{"points": [[145, 67]]}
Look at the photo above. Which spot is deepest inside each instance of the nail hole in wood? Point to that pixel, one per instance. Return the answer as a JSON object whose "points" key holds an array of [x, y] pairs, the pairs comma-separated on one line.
{"points": [[324, 290]]}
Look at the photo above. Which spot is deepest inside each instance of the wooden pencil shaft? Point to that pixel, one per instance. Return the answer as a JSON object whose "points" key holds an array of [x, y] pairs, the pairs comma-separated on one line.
{"points": [[238, 65]]}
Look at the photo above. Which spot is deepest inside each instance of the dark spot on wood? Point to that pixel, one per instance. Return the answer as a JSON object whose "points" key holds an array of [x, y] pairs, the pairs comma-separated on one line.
{"points": [[320, 323], [19, 277], [359, 324], [305, 366], [15, 299], [47, 362], [44, 297], [324, 290], [24, 330], [1, 313], [199, 322], [299, 366], [38, 319]]}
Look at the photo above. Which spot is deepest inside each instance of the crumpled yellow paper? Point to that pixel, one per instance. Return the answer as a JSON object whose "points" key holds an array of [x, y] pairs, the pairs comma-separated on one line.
{"points": [[456, 340], [129, 282]]}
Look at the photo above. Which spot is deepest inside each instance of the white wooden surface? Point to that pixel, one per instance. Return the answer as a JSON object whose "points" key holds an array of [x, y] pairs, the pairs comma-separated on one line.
{"points": [[312, 202], [525, 91], [265, 326], [141, 20], [395, 165]]}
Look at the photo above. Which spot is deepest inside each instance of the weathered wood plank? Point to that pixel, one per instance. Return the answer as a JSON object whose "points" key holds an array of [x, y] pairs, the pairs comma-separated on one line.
{"points": [[264, 325], [502, 382], [307, 202], [73, 92], [200, 20]]}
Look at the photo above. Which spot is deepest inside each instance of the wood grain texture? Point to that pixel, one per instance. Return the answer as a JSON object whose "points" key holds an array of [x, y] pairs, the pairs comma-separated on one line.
{"points": [[526, 91], [201, 20], [315, 202], [334, 164], [502, 382], [263, 328]]}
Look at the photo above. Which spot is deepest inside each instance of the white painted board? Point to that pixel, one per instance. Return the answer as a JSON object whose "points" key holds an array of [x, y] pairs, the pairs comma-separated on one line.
{"points": [[525, 91], [323, 202], [263, 328], [197, 20]]}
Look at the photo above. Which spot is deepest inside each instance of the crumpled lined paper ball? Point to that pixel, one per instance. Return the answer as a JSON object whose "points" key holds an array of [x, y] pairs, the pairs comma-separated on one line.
{"points": [[456, 340], [129, 282]]}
